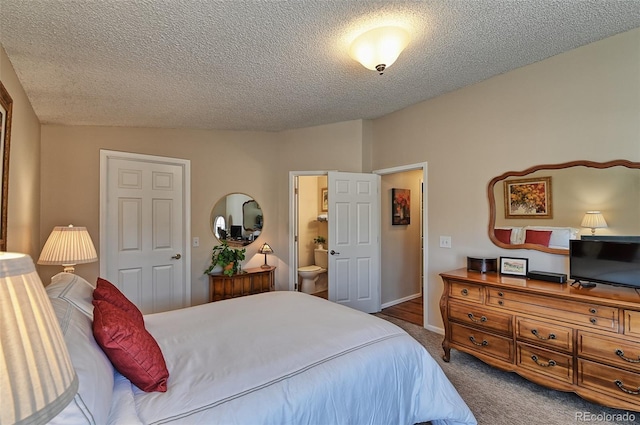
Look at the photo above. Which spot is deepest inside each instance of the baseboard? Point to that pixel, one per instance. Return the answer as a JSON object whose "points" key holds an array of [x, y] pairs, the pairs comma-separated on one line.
{"points": [[401, 300], [435, 329]]}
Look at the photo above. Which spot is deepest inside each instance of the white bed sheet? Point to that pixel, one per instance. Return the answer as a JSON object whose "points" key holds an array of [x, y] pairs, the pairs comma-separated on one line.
{"points": [[289, 358]]}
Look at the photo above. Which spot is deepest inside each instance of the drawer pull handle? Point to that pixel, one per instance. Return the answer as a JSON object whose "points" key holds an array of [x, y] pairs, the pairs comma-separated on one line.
{"points": [[593, 320], [593, 310], [464, 292], [535, 332], [484, 342], [500, 294], [620, 354], [473, 319], [551, 363], [500, 302], [622, 388]]}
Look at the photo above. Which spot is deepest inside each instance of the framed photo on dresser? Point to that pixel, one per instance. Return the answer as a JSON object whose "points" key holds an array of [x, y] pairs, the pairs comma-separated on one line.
{"points": [[514, 266]]}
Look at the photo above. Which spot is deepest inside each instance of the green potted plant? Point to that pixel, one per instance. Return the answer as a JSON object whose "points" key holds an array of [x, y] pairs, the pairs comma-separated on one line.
{"points": [[319, 241], [226, 257]]}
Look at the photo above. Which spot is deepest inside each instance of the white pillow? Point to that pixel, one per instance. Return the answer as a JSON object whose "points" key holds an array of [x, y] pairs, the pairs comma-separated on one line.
{"points": [[92, 402], [74, 289]]}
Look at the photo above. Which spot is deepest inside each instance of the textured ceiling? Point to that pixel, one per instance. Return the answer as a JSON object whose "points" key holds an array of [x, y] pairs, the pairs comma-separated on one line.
{"points": [[273, 65]]}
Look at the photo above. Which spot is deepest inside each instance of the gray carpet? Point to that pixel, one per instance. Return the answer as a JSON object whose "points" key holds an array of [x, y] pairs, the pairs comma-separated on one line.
{"points": [[503, 398]]}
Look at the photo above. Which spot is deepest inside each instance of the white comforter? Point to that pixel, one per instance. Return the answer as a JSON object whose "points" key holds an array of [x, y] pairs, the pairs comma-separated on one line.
{"points": [[288, 358]]}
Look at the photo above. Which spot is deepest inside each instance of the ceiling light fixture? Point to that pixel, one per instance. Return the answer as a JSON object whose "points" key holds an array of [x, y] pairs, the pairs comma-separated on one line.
{"points": [[379, 48]]}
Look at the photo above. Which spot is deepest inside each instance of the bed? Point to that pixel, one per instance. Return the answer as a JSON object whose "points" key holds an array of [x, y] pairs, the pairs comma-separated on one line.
{"points": [[272, 358]]}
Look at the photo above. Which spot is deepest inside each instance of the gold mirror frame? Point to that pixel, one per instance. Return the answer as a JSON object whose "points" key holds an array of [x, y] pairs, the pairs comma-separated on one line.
{"points": [[493, 207], [6, 104]]}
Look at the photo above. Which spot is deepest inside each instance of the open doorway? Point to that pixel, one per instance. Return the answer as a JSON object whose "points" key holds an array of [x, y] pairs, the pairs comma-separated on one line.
{"points": [[312, 235], [417, 251], [404, 257]]}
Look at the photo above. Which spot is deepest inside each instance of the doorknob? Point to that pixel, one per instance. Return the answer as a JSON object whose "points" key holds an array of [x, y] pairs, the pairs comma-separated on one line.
{"points": [[176, 257], [332, 252]]}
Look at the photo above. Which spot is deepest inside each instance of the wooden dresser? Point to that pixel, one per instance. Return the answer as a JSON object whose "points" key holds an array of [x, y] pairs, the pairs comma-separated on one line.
{"points": [[250, 281], [567, 338]]}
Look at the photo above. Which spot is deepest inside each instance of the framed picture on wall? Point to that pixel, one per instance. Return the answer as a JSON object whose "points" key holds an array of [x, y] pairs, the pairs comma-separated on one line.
{"points": [[400, 206], [324, 199], [6, 107], [528, 198]]}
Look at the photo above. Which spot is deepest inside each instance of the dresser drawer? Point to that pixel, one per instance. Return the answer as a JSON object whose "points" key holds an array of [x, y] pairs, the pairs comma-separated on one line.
{"points": [[480, 317], [613, 351], [609, 380], [546, 334], [465, 291], [554, 365], [632, 323], [586, 314], [482, 342]]}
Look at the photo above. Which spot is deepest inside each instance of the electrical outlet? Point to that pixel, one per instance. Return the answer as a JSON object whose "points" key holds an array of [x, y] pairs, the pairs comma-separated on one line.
{"points": [[196, 242], [445, 241]]}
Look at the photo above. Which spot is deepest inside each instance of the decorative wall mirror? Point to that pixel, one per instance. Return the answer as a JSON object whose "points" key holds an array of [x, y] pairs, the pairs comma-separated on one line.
{"points": [[6, 107], [237, 219], [573, 188]]}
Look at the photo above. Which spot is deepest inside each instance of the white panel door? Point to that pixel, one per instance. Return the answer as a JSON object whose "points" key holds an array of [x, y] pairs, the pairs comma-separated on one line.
{"points": [[354, 240], [144, 233]]}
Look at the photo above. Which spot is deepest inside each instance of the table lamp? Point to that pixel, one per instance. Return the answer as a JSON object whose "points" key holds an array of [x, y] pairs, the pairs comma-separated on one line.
{"points": [[37, 379], [594, 220], [265, 249], [68, 246]]}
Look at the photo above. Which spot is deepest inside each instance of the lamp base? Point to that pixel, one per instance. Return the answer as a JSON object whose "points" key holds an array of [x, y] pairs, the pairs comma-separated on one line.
{"points": [[265, 266]]}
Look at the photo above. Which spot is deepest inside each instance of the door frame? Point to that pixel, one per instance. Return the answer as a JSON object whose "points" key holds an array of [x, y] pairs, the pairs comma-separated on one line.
{"points": [[425, 252], [185, 165]]}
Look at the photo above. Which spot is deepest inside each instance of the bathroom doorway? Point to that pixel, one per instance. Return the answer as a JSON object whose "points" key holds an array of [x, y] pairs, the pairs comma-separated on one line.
{"points": [[312, 235]]}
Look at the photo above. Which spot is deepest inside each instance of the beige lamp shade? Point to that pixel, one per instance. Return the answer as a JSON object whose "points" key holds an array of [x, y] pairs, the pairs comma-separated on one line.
{"points": [[594, 220], [68, 246], [379, 48], [37, 380]]}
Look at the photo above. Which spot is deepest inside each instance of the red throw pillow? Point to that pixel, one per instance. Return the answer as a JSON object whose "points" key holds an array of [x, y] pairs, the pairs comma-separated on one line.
{"points": [[131, 349], [107, 291], [538, 237], [503, 235]]}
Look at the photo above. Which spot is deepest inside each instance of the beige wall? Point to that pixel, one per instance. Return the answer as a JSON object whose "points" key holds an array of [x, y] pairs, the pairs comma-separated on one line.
{"points": [[401, 261], [23, 215], [255, 163], [583, 104], [221, 162]]}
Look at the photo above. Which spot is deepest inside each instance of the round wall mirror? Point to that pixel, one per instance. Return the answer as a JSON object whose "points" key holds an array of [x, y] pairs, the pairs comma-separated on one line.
{"points": [[237, 219]]}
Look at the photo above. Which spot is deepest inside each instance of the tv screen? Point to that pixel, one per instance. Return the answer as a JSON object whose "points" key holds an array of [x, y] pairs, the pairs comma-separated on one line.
{"points": [[613, 263], [236, 232]]}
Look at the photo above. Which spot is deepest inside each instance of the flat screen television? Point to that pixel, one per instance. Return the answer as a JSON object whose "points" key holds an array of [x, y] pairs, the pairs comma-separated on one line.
{"points": [[599, 261], [236, 232]]}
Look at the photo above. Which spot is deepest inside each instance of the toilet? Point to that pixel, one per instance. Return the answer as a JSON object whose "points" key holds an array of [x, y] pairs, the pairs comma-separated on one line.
{"points": [[310, 274]]}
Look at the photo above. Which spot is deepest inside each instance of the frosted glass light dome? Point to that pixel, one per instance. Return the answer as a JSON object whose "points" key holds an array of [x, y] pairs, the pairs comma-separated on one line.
{"points": [[379, 48]]}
